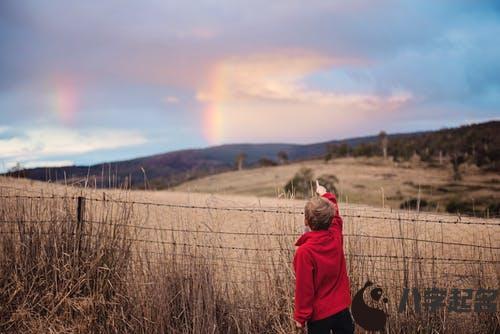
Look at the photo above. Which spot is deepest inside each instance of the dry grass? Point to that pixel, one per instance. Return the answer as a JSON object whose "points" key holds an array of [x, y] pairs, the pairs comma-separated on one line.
{"points": [[143, 268]]}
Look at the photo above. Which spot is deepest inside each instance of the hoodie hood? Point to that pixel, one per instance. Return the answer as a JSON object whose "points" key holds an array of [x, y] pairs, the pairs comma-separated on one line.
{"points": [[312, 236]]}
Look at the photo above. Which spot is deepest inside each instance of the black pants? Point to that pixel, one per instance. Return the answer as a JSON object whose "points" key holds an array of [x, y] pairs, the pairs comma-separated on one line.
{"points": [[339, 323]]}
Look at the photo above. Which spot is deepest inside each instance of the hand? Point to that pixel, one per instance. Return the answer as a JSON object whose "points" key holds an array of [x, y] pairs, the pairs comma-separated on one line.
{"points": [[301, 328], [320, 190]]}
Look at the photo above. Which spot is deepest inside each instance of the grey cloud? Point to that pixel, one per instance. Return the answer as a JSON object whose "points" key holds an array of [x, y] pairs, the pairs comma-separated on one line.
{"points": [[127, 55], [157, 41]]}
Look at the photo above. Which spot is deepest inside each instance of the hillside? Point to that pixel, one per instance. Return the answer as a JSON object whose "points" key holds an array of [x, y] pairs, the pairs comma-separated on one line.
{"points": [[371, 181], [169, 169], [478, 144]]}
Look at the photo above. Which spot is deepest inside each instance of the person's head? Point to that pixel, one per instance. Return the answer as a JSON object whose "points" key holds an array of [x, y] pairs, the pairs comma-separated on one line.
{"points": [[318, 213]]}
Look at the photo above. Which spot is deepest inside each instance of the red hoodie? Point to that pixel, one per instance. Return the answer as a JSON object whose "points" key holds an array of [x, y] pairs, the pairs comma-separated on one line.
{"points": [[322, 285]]}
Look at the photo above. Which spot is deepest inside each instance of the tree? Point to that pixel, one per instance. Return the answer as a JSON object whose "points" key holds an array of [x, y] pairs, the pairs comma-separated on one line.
{"points": [[401, 150], [384, 141], [425, 154], [365, 149], [240, 160], [328, 157], [456, 160], [266, 162], [16, 168], [328, 154], [331, 152], [282, 157], [344, 150]]}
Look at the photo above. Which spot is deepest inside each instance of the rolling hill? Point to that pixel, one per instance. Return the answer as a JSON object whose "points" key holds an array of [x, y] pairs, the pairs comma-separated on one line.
{"points": [[173, 168], [370, 181]]}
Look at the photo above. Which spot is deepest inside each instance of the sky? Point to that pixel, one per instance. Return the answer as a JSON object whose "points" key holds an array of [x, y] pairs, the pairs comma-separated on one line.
{"points": [[84, 82]]}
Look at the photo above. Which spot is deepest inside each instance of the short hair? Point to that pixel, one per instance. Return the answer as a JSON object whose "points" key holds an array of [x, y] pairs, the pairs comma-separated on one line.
{"points": [[319, 213]]}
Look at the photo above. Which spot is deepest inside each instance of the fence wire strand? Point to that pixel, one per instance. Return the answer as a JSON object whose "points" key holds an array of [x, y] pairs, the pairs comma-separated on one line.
{"points": [[262, 249], [399, 217]]}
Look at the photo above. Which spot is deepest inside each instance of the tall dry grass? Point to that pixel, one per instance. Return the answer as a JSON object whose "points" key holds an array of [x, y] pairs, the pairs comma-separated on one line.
{"points": [[141, 268], [56, 278]]}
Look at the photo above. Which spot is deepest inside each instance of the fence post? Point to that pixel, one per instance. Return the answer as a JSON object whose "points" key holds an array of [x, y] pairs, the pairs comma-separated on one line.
{"points": [[80, 214]]}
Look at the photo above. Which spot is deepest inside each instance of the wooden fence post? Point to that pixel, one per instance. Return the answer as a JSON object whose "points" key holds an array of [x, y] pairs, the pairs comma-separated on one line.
{"points": [[80, 215]]}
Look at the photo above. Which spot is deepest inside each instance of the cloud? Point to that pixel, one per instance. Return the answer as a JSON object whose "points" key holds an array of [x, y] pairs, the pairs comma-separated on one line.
{"points": [[201, 33], [258, 97], [33, 144], [280, 78], [40, 163], [172, 99], [151, 66]]}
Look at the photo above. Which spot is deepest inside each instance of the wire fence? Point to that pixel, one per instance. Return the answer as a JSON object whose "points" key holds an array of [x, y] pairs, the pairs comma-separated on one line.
{"points": [[279, 249], [396, 216], [270, 234], [486, 254], [243, 253]]}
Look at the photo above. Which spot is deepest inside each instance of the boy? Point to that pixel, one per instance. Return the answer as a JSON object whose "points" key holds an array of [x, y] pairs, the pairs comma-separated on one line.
{"points": [[322, 296]]}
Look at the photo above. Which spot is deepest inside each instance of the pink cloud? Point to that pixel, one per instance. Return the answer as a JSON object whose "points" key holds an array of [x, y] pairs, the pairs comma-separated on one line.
{"points": [[265, 97]]}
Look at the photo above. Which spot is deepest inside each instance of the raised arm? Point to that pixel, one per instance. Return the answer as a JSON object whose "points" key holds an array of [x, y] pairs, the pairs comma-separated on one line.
{"points": [[337, 220]]}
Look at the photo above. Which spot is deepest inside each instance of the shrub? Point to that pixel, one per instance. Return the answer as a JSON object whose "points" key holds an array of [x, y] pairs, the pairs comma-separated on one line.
{"points": [[266, 162], [415, 203], [494, 209], [329, 181], [303, 185], [459, 206]]}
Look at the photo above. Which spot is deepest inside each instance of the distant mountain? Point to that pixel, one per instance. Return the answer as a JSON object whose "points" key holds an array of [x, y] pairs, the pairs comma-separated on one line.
{"points": [[169, 169]]}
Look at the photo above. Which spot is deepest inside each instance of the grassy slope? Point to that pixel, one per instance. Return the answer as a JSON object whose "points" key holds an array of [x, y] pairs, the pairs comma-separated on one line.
{"points": [[361, 180]]}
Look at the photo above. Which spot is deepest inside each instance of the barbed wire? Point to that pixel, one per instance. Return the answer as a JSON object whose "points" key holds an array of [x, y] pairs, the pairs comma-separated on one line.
{"points": [[259, 210], [421, 275], [262, 249], [272, 234], [39, 197], [292, 212], [273, 249], [288, 264], [259, 265], [263, 234]]}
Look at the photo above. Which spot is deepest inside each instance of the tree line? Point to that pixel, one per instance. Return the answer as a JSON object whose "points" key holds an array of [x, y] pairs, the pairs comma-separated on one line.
{"points": [[282, 159], [475, 144]]}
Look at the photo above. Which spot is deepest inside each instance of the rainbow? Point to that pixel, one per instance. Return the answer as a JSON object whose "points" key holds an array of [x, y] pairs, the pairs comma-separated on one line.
{"points": [[212, 124], [213, 120], [64, 100]]}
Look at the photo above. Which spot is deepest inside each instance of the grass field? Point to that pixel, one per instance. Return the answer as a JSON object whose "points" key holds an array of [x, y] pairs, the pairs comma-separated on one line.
{"points": [[183, 262], [370, 181]]}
